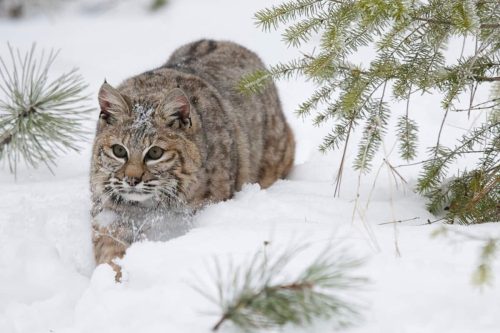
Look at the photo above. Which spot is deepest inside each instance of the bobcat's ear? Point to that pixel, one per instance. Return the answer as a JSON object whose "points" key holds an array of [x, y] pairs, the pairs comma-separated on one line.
{"points": [[111, 102], [176, 108]]}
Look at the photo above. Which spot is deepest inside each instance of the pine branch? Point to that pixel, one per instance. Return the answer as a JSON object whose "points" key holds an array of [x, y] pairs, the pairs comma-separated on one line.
{"points": [[322, 95], [271, 18], [407, 134], [486, 79], [433, 170], [256, 81], [372, 134], [302, 31], [257, 295], [410, 39], [39, 118]]}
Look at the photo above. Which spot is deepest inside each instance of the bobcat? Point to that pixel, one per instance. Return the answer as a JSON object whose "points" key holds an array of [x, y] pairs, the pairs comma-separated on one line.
{"points": [[180, 136]]}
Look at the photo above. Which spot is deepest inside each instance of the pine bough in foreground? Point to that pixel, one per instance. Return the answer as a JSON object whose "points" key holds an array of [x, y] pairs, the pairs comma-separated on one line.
{"points": [[39, 117], [410, 39], [259, 293]]}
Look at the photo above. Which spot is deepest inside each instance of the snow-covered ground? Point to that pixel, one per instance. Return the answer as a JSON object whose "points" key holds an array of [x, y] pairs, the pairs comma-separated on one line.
{"points": [[49, 282]]}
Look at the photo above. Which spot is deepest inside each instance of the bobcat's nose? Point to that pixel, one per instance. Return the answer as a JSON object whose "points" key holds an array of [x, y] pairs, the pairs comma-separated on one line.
{"points": [[133, 174], [132, 181]]}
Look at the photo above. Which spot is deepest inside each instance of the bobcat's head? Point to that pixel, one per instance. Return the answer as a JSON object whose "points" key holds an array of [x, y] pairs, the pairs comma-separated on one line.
{"points": [[143, 150]]}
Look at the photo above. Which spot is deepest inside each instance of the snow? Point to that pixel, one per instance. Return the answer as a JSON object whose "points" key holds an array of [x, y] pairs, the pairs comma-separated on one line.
{"points": [[48, 279]]}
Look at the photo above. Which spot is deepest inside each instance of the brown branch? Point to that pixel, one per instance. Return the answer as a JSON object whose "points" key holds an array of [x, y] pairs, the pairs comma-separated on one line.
{"points": [[292, 286], [220, 322], [490, 26], [435, 21], [487, 78], [5, 139], [484, 192]]}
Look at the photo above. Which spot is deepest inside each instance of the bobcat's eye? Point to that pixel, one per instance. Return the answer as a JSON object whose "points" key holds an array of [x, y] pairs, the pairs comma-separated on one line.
{"points": [[119, 151], [154, 153]]}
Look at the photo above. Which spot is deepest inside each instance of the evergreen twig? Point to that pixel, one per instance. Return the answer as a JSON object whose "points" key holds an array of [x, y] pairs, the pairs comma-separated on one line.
{"points": [[260, 293], [39, 117]]}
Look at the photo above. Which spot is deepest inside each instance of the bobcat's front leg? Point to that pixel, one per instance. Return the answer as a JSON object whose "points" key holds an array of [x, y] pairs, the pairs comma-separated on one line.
{"points": [[109, 243]]}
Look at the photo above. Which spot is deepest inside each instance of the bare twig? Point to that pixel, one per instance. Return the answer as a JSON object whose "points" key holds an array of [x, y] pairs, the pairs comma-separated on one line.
{"points": [[338, 178], [440, 131], [432, 222], [480, 106], [401, 221], [395, 172], [472, 95]]}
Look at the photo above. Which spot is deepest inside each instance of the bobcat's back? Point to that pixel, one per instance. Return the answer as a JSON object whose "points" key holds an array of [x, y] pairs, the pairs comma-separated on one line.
{"points": [[259, 121]]}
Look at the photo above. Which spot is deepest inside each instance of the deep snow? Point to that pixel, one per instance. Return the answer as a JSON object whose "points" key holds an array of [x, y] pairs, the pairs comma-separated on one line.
{"points": [[48, 280]]}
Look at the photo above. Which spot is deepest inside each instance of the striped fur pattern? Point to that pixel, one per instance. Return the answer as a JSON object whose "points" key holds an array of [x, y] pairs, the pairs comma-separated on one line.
{"points": [[212, 139]]}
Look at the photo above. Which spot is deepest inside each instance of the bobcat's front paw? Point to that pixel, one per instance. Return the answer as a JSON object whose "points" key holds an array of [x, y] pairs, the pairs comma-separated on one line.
{"points": [[108, 247]]}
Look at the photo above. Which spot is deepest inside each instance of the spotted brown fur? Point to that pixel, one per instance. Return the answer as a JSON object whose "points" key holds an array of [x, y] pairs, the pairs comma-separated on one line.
{"points": [[230, 139]]}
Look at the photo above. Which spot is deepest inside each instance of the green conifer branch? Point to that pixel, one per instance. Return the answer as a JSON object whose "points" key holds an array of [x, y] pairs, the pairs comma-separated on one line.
{"points": [[39, 118], [473, 196], [410, 39], [302, 31], [259, 294], [407, 134], [256, 81], [270, 18], [321, 95], [372, 134]]}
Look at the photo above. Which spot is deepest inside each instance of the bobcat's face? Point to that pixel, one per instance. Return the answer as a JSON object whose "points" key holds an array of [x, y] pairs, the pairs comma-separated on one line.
{"points": [[138, 170], [142, 151]]}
